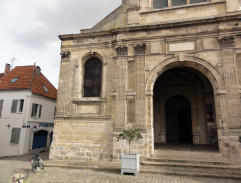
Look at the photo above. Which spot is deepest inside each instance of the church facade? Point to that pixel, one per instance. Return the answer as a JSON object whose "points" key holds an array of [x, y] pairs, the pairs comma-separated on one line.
{"points": [[171, 68]]}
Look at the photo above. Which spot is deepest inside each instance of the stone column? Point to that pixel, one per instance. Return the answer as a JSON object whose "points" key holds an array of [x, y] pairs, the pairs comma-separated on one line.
{"points": [[231, 83], [121, 73], [140, 85]]}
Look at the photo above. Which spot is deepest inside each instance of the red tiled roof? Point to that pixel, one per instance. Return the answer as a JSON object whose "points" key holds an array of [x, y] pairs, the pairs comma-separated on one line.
{"points": [[28, 79]]}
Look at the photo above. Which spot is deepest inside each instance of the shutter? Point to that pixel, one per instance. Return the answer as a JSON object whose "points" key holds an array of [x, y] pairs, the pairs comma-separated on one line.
{"points": [[14, 106], [33, 110], [21, 105], [1, 107], [40, 110], [15, 135]]}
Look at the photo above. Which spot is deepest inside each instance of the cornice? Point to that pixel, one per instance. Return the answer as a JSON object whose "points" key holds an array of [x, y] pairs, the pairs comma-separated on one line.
{"points": [[162, 25]]}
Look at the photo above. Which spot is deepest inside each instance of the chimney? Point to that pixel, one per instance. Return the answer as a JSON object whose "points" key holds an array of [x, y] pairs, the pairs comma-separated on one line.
{"points": [[38, 69], [7, 69]]}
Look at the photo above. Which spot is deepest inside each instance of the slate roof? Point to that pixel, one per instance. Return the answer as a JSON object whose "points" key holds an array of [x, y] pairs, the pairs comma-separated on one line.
{"points": [[28, 79]]}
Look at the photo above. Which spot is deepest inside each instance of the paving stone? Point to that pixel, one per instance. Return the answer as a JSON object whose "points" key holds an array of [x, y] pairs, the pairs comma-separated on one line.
{"points": [[12, 166]]}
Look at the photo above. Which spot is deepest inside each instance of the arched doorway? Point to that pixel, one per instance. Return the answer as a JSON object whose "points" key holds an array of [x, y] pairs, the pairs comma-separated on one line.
{"points": [[40, 139], [184, 108], [178, 120]]}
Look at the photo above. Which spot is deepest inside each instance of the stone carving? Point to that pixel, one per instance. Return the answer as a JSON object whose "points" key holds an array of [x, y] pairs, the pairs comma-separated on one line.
{"points": [[121, 50], [140, 49], [65, 54], [226, 42]]}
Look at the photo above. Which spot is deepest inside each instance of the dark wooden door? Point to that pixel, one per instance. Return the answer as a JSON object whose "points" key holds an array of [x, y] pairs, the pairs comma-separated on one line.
{"points": [[178, 120]]}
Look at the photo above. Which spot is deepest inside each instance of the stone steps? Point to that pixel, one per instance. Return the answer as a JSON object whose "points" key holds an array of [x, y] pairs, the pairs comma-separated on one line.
{"points": [[188, 155], [190, 164], [190, 160]]}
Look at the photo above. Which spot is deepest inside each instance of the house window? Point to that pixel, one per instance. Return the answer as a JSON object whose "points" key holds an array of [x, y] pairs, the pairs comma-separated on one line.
{"points": [[45, 89], [36, 110], [92, 78], [14, 80], [17, 106], [14, 106], [21, 103], [15, 135], [54, 110], [1, 107]]}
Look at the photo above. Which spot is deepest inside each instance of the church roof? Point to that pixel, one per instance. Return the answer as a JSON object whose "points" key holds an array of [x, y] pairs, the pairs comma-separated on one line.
{"points": [[28, 77]]}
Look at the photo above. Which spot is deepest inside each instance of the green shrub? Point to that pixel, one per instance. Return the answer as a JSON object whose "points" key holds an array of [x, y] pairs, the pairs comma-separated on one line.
{"points": [[130, 135]]}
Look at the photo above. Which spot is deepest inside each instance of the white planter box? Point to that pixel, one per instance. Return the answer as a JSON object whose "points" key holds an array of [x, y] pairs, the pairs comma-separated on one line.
{"points": [[130, 163]]}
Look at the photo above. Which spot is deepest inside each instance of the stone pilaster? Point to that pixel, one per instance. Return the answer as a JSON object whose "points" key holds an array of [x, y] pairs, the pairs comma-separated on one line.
{"points": [[63, 84], [140, 85], [121, 73], [230, 76]]}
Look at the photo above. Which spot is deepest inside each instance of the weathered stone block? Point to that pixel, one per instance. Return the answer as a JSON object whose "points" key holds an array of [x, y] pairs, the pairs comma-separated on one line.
{"points": [[88, 154]]}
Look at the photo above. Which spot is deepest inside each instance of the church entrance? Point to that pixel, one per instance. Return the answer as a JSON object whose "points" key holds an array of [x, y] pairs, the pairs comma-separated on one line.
{"points": [[184, 108], [178, 120]]}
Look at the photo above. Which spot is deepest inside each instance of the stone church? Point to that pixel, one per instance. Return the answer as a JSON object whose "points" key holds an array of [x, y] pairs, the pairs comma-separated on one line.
{"points": [[171, 68]]}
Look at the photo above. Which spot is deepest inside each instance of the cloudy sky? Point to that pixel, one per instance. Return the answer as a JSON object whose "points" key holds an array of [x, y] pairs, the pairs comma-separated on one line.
{"points": [[29, 29]]}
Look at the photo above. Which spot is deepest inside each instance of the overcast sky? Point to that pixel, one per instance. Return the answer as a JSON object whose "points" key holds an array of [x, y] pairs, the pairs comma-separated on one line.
{"points": [[29, 29]]}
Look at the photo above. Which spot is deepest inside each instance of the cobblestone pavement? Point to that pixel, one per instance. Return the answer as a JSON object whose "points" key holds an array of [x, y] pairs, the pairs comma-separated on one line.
{"points": [[12, 166], [60, 175]]}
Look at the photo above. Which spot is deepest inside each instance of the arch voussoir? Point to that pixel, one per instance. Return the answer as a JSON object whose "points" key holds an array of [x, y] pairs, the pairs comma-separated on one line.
{"points": [[199, 64]]}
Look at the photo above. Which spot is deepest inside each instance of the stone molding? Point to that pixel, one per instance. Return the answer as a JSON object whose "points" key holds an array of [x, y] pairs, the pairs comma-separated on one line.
{"points": [[227, 42], [89, 100], [140, 49], [121, 50], [65, 54]]}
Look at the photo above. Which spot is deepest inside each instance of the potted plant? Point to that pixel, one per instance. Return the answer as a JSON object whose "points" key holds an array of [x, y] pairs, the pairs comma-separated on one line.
{"points": [[130, 162]]}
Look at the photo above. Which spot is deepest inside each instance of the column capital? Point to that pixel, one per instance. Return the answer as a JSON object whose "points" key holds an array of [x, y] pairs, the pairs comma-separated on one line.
{"points": [[227, 42], [121, 50], [65, 54], [140, 49]]}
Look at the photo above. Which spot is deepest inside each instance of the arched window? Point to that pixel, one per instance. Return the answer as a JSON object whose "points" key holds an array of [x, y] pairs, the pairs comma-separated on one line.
{"points": [[92, 77]]}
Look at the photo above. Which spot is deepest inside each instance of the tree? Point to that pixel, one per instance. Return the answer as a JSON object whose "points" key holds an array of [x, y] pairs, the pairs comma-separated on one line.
{"points": [[130, 135]]}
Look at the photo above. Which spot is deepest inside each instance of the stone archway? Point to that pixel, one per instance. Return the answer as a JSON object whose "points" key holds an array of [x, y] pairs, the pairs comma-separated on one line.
{"points": [[205, 69], [184, 93]]}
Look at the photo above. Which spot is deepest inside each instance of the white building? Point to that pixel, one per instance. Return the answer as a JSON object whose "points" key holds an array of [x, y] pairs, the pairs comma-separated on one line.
{"points": [[27, 107]]}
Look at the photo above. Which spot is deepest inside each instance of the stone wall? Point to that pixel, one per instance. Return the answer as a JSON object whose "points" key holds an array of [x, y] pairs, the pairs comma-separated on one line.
{"points": [[205, 39]]}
